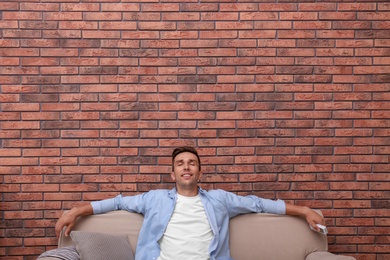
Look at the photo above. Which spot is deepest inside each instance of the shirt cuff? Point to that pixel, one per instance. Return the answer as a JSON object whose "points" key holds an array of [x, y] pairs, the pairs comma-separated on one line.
{"points": [[280, 207]]}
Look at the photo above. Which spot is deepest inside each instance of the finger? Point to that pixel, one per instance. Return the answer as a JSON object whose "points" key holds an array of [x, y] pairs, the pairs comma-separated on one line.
{"points": [[318, 219], [321, 221], [313, 224], [68, 229], [58, 229]]}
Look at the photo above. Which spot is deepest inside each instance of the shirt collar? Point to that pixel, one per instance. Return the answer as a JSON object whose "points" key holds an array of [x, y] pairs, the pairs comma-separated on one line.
{"points": [[172, 193]]}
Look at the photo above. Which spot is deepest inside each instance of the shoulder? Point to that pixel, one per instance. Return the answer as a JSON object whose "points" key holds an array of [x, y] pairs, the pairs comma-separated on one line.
{"points": [[156, 193], [154, 196], [218, 195], [162, 195], [218, 192]]}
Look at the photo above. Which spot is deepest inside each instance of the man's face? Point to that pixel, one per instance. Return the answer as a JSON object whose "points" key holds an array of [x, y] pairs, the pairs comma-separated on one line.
{"points": [[186, 173]]}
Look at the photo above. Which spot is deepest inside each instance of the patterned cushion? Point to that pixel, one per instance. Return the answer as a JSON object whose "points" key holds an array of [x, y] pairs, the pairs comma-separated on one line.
{"points": [[64, 253], [100, 246]]}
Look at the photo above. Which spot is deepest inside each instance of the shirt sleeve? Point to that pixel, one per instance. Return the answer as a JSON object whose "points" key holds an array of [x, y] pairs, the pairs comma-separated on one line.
{"points": [[270, 206], [129, 203], [246, 204]]}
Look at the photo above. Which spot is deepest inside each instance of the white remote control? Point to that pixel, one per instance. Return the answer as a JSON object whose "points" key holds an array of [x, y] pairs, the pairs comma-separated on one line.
{"points": [[322, 230]]}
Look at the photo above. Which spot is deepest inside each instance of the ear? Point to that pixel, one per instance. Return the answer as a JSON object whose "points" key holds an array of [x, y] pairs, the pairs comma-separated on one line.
{"points": [[173, 176], [200, 176]]}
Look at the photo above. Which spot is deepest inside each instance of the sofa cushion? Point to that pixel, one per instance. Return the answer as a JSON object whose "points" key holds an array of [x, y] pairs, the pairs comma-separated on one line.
{"points": [[100, 246]]}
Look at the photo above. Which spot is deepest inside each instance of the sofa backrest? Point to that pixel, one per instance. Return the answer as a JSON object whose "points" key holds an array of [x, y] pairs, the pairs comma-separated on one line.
{"points": [[252, 236]]}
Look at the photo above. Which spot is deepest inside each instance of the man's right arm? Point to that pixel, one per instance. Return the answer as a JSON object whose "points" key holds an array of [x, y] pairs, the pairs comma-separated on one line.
{"points": [[69, 218], [130, 203]]}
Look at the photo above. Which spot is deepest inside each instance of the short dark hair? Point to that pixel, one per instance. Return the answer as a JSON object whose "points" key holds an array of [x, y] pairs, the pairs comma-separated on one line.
{"points": [[184, 149]]}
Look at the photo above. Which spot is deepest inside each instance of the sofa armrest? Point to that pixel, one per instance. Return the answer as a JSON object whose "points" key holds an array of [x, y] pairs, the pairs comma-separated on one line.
{"points": [[327, 256]]}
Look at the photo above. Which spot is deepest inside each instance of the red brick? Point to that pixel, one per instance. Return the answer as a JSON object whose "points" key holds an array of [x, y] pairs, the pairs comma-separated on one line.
{"points": [[58, 161], [352, 150], [11, 242], [168, 16], [9, 43], [23, 215], [373, 248], [116, 187], [78, 187], [275, 132], [292, 159], [294, 123], [292, 34], [62, 196], [9, 6], [205, 16], [331, 159], [156, 26], [22, 15], [40, 116], [313, 168], [89, 52], [221, 34], [285, 195], [118, 169], [312, 25], [333, 141], [140, 178], [41, 152], [60, 107], [294, 142], [9, 134], [20, 107], [274, 150], [41, 205], [369, 159], [92, 196], [352, 204], [159, 133], [77, 25], [18, 161], [296, 177], [134, 16], [97, 160], [310, 186], [309, 115]]}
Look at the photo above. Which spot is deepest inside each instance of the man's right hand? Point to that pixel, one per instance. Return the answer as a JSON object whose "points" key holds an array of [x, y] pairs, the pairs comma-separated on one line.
{"points": [[68, 220]]}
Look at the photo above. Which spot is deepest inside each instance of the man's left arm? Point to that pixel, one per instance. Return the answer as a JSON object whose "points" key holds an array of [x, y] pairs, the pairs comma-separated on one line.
{"points": [[310, 215]]}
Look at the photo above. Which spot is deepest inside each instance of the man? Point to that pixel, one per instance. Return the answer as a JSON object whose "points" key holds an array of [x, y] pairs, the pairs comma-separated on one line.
{"points": [[186, 222]]}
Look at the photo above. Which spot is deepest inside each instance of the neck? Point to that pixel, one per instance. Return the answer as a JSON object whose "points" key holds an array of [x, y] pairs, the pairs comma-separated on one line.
{"points": [[187, 193]]}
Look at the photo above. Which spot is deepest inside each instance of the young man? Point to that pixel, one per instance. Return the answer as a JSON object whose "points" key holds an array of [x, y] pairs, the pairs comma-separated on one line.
{"points": [[186, 222]]}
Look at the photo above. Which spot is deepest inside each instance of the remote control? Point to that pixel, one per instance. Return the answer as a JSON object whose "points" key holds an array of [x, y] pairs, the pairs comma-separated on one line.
{"points": [[322, 230]]}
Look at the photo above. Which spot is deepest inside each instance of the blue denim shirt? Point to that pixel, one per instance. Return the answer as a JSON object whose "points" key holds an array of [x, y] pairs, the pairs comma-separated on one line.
{"points": [[157, 207]]}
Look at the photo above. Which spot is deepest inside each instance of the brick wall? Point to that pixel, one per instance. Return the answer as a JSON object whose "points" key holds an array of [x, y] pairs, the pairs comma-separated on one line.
{"points": [[284, 99]]}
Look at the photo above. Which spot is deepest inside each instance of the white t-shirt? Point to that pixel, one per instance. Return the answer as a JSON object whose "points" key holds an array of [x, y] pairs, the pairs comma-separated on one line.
{"points": [[188, 234]]}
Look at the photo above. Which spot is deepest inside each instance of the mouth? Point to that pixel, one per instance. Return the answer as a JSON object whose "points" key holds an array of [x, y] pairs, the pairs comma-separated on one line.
{"points": [[186, 175]]}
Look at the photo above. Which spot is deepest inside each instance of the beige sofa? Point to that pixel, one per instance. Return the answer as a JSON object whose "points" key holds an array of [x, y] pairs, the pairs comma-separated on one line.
{"points": [[252, 236]]}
